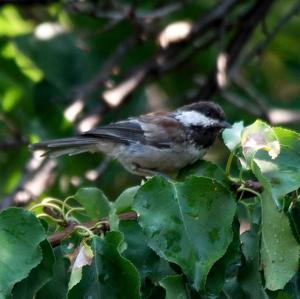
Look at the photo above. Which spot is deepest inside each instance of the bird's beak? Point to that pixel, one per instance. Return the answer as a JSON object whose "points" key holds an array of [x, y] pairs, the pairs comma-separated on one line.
{"points": [[224, 124]]}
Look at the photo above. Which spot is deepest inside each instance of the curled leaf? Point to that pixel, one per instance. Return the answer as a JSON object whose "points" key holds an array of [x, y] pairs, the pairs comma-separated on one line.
{"points": [[259, 136], [84, 258]]}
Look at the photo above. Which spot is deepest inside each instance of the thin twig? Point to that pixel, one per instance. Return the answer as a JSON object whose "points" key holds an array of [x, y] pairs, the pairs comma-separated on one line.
{"points": [[33, 183], [12, 144], [105, 71], [56, 238], [245, 30]]}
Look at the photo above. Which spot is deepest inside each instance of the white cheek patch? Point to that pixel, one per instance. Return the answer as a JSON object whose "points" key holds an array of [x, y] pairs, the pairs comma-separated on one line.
{"points": [[194, 118]]}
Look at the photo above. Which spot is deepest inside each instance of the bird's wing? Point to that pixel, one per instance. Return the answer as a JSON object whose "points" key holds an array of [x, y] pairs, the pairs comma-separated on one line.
{"points": [[127, 131], [162, 129], [158, 129]]}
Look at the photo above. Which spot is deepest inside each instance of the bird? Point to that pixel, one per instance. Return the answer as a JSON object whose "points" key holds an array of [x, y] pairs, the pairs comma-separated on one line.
{"points": [[156, 143]]}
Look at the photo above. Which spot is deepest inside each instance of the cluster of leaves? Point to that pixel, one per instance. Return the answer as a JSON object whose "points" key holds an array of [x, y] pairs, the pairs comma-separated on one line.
{"points": [[182, 239]]}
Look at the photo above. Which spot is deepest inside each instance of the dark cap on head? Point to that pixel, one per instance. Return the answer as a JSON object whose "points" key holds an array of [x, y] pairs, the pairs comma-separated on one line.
{"points": [[209, 109]]}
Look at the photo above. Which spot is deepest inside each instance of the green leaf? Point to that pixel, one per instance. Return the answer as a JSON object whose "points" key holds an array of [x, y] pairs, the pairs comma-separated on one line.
{"points": [[174, 286], [288, 138], [94, 201], [38, 276], [227, 266], [204, 168], [249, 275], [280, 251], [185, 222], [20, 236], [57, 287], [124, 202], [110, 275], [137, 251], [232, 136]]}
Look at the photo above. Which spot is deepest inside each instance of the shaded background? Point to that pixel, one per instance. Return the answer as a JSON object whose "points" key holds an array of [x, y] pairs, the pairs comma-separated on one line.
{"points": [[67, 66]]}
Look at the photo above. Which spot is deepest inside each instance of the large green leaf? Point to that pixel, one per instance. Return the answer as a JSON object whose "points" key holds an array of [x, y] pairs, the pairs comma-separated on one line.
{"points": [[94, 201], [280, 250], [185, 222], [38, 276], [110, 275], [20, 236]]}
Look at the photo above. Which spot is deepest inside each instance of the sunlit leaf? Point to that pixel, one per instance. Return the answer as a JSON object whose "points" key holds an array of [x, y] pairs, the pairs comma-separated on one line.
{"points": [[281, 175], [259, 136], [232, 136]]}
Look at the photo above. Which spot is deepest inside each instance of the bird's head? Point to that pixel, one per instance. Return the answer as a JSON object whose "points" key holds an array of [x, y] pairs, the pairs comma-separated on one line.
{"points": [[203, 114]]}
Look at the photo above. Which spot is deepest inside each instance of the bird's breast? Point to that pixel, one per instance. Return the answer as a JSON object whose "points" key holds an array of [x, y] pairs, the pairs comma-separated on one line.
{"points": [[163, 160]]}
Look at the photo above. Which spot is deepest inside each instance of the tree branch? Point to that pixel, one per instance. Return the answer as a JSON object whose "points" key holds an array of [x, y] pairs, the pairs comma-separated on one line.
{"points": [[293, 11], [156, 65]]}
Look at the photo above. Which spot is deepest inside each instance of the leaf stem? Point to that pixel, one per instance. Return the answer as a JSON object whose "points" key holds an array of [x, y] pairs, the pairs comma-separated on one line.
{"points": [[44, 215], [243, 188], [228, 164], [48, 205], [85, 229], [71, 211]]}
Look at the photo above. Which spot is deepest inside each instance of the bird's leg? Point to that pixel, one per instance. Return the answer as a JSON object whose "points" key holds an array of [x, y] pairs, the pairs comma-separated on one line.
{"points": [[146, 172]]}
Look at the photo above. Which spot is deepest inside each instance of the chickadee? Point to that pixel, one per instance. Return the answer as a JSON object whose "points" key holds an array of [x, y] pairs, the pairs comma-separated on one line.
{"points": [[155, 143]]}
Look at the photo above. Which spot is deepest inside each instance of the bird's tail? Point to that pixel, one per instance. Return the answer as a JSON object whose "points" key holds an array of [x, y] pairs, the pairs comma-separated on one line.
{"points": [[70, 146]]}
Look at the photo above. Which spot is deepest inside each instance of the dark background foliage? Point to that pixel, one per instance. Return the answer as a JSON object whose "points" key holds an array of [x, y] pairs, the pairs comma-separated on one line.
{"points": [[67, 66]]}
